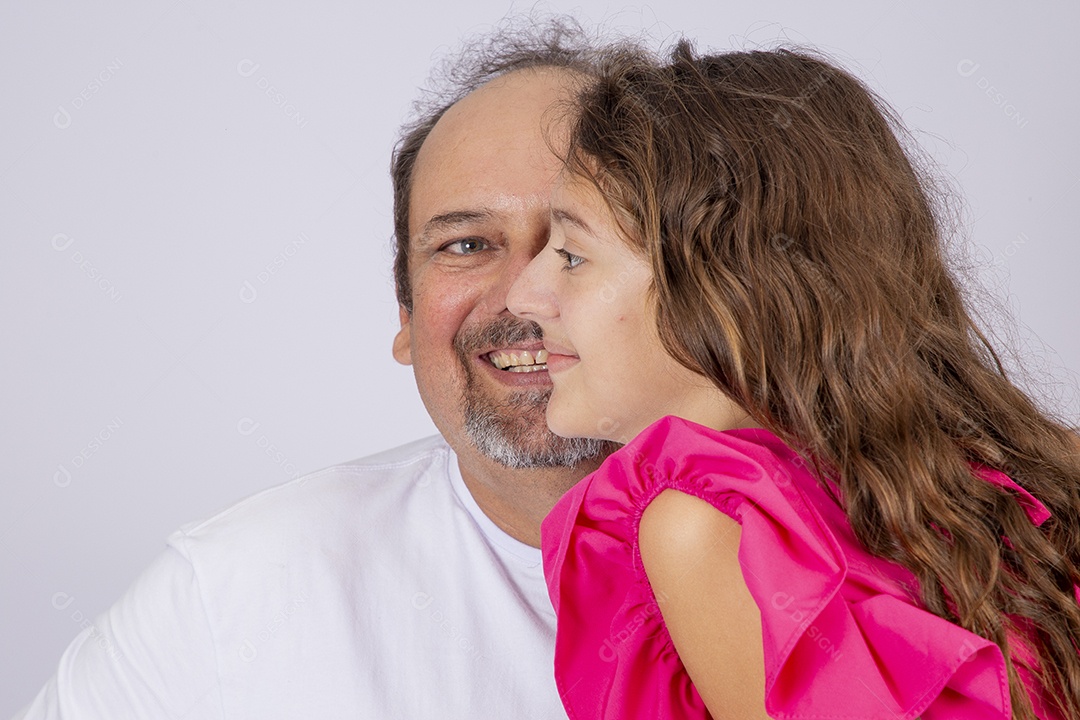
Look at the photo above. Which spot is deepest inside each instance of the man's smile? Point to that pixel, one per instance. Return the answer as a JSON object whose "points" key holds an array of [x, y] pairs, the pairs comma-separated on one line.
{"points": [[519, 360]]}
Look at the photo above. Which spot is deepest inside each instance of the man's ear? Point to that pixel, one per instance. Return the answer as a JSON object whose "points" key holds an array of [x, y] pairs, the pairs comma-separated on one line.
{"points": [[402, 348]]}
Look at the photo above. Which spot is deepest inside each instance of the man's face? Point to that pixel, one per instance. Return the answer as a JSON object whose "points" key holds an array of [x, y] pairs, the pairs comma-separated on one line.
{"points": [[479, 212]]}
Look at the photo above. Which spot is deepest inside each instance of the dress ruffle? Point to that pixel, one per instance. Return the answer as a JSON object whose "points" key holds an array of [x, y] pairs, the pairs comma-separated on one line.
{"points": [[843, 634]]}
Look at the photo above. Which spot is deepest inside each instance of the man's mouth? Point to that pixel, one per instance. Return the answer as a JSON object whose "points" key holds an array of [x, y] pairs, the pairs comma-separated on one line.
{"points": [[518, 361]]}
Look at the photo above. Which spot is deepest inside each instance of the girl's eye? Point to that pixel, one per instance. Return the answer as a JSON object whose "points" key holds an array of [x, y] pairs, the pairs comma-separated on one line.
{"points": [[465, 246], [570, 260]]}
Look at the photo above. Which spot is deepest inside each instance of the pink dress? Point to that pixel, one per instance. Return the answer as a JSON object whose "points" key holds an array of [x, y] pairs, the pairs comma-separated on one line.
{"points": [[844, 636]]}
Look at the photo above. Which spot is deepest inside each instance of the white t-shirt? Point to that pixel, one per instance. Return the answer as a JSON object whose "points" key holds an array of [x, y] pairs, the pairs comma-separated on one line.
{"points": [[374, 589]]}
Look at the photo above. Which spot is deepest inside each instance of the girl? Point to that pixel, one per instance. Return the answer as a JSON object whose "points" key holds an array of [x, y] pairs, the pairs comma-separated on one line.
{"points": [[832, 503]]}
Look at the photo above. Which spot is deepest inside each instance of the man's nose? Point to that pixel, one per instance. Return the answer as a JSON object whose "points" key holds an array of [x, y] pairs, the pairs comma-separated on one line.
{"points": [[531, 295]]}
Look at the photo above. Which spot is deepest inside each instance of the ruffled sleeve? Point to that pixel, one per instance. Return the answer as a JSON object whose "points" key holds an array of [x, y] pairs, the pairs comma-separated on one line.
{"points": [[843, 635]]}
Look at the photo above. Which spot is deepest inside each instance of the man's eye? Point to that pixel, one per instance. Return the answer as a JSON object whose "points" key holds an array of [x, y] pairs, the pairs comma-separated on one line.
{"points": [[570, 260], [465, 246]]}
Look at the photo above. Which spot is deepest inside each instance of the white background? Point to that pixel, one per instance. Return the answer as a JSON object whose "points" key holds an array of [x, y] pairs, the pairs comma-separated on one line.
{"points": [[139, 138]]}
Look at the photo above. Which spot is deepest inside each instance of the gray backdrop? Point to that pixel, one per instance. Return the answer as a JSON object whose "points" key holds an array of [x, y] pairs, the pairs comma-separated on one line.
{"points": [[194, 226]]}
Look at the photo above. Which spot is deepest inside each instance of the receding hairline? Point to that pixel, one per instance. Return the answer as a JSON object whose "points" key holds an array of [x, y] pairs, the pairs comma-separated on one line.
{"points": [[549, 70], [567, 81], [566, 84]]}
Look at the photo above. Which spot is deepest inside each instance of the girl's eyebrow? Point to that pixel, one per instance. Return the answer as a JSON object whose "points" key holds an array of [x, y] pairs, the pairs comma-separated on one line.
{"points": [[565, 216]]}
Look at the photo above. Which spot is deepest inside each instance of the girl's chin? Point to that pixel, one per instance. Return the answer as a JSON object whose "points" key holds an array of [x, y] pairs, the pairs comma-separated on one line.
{"points": [[567, 426], [564, 431], [564, 424]]}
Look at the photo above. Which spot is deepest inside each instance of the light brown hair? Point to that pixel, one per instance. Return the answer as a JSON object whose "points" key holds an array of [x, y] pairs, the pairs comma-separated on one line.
{"points": [[798, 263]]}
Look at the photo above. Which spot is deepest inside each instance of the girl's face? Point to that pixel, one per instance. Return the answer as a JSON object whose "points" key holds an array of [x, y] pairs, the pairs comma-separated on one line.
{"points": [[590, 292]]}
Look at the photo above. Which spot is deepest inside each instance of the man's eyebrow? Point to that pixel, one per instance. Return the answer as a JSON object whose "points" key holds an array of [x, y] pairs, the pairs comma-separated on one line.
{"points": [[566, 216], [449, 220]]}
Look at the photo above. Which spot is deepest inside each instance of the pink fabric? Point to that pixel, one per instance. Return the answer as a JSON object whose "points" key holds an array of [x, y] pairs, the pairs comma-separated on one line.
{"points": [[843, 634], [1034, 509]]}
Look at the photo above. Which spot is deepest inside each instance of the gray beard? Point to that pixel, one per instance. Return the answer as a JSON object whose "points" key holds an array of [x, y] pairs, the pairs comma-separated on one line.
{"points": [[514, 431], [515, 434]]}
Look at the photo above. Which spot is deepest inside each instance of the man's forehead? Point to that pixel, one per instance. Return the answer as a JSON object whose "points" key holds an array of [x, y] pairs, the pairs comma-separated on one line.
{"points": [[530, 105], [529, 91], [493, 150]]}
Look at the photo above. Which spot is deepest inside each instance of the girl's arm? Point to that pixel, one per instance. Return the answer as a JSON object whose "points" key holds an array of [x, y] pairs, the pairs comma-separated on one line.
{"points": [[689, 550]]}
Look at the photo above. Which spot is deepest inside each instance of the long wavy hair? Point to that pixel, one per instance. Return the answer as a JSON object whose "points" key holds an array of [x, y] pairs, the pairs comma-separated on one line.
{"points": [[799, 263]]}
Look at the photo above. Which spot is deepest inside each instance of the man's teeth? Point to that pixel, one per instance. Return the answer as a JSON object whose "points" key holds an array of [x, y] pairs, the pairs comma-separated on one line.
{"points": [[522, 361]]}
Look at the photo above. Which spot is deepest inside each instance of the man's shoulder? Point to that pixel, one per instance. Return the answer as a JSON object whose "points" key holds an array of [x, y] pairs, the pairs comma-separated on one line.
{"points": [[411, 453], [316, 503]]}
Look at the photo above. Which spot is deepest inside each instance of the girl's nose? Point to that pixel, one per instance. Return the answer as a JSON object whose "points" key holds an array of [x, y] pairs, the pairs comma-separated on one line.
{"points": [[532, 297]]}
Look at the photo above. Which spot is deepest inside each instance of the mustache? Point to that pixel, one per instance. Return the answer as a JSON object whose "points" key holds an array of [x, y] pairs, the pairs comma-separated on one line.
{"points": [[500, 332]]}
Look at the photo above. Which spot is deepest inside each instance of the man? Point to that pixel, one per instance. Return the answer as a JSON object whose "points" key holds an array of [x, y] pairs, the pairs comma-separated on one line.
{"points": [[408, 584]]}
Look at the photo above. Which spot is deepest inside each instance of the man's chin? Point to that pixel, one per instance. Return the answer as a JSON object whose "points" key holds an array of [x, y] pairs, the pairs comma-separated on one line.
{"points": [[513, 432], [506, 421]]}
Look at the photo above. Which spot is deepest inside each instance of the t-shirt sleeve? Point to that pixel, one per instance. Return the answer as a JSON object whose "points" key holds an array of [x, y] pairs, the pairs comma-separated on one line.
{"points": [[151, 655]]}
